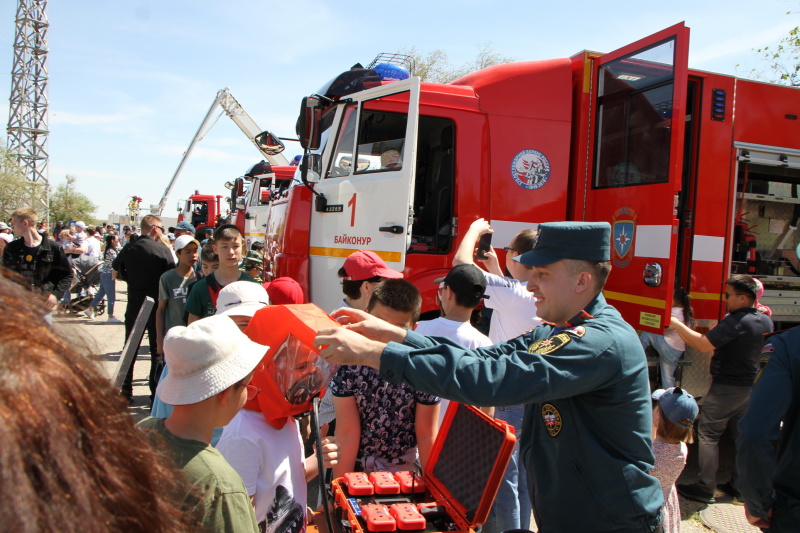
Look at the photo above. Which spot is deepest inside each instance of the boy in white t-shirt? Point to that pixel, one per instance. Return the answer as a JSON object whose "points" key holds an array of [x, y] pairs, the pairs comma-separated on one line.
{"points": [[266, 449], [459, 294]]}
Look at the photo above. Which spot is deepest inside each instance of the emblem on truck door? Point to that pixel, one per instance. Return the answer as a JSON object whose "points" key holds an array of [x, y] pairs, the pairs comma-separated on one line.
{"points": [[530, 169], [624, 229]]}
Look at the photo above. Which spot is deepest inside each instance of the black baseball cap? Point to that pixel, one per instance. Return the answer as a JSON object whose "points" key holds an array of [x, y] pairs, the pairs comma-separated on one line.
{"points": [[466, 279]]}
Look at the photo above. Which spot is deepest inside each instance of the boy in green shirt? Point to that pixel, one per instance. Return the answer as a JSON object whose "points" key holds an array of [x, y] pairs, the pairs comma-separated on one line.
{"points": [[211, 364], [202, 301]]}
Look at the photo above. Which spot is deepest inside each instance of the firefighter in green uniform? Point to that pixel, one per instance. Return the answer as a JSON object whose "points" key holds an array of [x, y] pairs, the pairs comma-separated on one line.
{"points": [[586, 437]]}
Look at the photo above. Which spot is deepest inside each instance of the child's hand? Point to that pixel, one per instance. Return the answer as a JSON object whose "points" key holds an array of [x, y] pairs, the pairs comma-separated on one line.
{"points": [[330, 448]]}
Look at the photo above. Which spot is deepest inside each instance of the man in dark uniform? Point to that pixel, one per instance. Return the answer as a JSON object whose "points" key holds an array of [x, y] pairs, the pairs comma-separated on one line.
{"points": [[582, 375], [736, 341], [141, 264], [769, 478]]}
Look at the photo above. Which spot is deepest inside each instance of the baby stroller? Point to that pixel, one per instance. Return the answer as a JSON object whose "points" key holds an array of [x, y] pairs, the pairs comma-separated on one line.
{"points": [[86, 279]]}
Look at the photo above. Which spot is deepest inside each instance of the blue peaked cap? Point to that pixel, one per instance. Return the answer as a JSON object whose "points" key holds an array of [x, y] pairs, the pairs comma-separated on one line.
{"points": [[584, 241]]}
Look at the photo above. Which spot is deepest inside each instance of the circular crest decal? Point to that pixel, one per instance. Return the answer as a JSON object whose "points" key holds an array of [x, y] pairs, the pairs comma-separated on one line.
{"points": [[552, 419], [530, 169]]}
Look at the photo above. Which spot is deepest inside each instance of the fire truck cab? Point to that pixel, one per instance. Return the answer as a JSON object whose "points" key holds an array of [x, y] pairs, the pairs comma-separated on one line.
{"points": [[252, 194], [201, 210], [697, 173]]}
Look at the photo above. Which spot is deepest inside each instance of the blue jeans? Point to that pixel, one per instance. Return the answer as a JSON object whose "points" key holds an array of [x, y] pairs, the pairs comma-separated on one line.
{"points": [[161, 409], [667, 357], [512, 507], [108, 288]]}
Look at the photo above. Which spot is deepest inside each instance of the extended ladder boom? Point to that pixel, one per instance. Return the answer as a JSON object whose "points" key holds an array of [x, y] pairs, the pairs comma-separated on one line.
{"points": [[248, 126]]}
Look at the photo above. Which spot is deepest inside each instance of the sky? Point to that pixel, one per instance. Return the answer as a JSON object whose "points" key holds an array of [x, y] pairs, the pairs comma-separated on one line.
{"points": [[131, 81]]}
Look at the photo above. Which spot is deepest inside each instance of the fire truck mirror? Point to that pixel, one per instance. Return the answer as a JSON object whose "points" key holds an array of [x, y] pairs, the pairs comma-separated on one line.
{"points": [[229, 185], [652, 274], [269, 144], [309, 123], [311, 168]]}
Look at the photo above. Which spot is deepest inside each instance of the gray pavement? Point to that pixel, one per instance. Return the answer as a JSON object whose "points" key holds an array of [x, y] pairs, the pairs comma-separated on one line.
{"points": [[106, 341]]}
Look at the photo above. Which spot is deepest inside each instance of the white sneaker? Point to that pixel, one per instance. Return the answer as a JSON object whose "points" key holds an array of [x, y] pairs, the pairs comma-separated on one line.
{"points": [[89, 313], [114, 320]]}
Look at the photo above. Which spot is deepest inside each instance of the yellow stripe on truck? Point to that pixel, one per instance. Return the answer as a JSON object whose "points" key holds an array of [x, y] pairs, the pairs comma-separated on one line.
{"points": [[705, 295], [630, 298], [389, 257]]}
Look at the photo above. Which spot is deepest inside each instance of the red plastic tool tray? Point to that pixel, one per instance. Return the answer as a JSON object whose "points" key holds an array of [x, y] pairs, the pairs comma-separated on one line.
{"points": [[463, 474]]}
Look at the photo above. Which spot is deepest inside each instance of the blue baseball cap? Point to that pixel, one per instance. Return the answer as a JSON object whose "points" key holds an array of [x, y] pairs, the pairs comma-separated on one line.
{"points": [[182, 225], [584, 241], [678, 405]]}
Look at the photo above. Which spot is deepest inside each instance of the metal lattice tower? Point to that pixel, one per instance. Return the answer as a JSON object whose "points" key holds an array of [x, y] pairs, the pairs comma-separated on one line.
{"points": [[27, 119]]}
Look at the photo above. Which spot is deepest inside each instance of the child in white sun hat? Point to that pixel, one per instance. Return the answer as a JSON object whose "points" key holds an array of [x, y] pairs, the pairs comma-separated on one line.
{"points": [[211, 363], [239, 301]]}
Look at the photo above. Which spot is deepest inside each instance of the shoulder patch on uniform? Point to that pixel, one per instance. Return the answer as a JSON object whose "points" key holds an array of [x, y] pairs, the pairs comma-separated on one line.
{"points": [[549, 345], [552, 419], [576, 331], [763, 361]]}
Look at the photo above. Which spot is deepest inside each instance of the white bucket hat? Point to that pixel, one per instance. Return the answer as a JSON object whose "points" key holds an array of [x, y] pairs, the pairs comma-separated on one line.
{"points": [[206, 358], [241, 298]]}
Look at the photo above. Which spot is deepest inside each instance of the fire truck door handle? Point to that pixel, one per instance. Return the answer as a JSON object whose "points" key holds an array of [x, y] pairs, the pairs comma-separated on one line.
{"points": [[396, 230]]}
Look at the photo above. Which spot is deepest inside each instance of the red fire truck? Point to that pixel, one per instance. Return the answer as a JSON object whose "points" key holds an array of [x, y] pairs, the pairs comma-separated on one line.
{"points": [[697, 173], [249, 201]]}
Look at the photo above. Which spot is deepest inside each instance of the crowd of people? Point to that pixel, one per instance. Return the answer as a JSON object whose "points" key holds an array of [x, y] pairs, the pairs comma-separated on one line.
{"points": [[225, 450]]}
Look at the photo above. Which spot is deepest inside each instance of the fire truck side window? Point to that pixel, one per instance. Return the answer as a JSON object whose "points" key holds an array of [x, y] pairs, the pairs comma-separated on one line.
{"points": [[381, 137], [199, 214], [342, 162], [261, 195], [433, 194], [634, 118]]}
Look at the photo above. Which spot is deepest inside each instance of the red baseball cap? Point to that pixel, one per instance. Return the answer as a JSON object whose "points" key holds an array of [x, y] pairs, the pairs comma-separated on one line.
{"points": [[284, 291], [364, 264]]}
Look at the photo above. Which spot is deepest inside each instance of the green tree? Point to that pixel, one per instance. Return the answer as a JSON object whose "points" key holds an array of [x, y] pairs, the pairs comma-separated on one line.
{"points": [[67, 203], [784, 60], [435, 66], [16, 190]]}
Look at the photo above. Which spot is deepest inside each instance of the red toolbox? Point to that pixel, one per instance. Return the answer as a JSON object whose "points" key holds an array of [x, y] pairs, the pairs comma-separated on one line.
{"points": [[464, 471]]}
